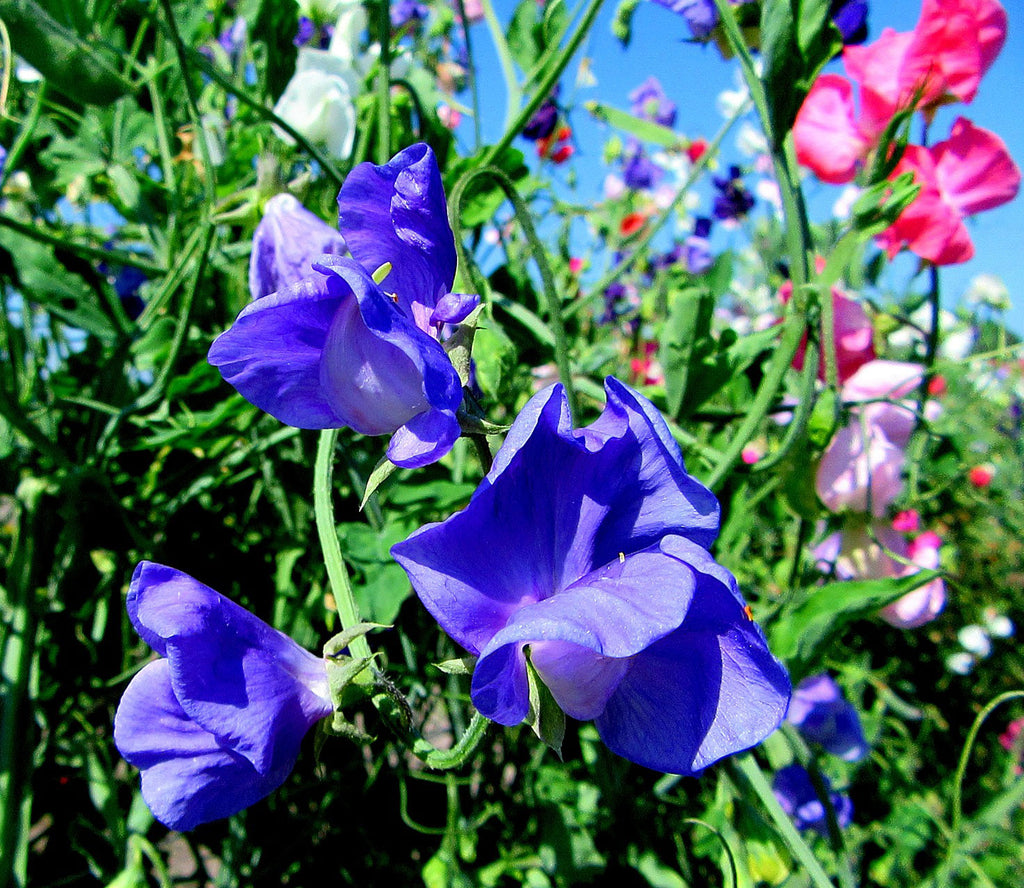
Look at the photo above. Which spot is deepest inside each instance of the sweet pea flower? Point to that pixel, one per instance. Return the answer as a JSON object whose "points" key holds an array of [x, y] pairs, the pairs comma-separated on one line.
{"points": [[286, 243], [878, 551], [318, 101], [793, 788], [336, 349], [852, 331], [586, 550], [216, 723], [700, 15], [861, 469], [969, 172], [823, 716], [649, 102]]}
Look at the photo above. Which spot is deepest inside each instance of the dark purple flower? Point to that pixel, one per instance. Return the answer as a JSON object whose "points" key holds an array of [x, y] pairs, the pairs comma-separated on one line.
{"points": [[406, 11], [619, 299], [650, 103], [542, 124], [851, 18], [699, 257], [823, 716], [216, 723], [795, 791], [286, 243], [306, 31], [733, 201], [638, 172], [589, 548], [336, 349], [700, 15], [127, 283]]}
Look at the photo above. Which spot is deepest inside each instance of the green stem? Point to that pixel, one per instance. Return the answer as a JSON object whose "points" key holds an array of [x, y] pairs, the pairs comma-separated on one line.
{"points": [[554, 302], [24, 135], [948, 867], [447, 759], [327, 531], [546, 82], [121, 257], [747, 766], [382, 26]]}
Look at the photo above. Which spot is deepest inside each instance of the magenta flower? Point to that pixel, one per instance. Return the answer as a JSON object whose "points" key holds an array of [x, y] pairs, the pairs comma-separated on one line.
{"points": [[969, 172], [337, 349], [286, 243], [943, 58], [216, 723], [823, 716], [586, 550]]}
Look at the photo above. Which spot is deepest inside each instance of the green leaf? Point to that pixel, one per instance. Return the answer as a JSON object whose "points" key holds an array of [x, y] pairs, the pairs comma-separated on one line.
{"points": [[797, 39], [797, 636], [458, 666], [622, 23], [381, 472], [545, 718], [646, 130]]}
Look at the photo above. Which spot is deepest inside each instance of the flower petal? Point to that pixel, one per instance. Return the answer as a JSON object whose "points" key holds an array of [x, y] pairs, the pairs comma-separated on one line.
{"points": [[272, 352], [249, 685], [397, 213], [709, 689], [828, 140], [582, 637], [188, 777], [557, 504]]}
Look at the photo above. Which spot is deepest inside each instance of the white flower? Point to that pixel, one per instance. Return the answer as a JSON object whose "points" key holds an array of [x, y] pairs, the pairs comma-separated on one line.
{"points": [[843, 206], [961, 663], [988, 289], [975, 639]]}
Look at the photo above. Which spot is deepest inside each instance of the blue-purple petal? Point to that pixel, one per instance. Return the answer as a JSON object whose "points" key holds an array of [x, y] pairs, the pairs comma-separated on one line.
{"points": [[707, 690], [188, 776], [286, 243], [608, 615], [454, 308], [271, 354], [424, 439], [397, 213], [247, 684]]}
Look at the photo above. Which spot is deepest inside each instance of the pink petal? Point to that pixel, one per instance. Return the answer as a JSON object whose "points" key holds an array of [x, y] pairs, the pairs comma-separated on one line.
{"points": [[827, 138], [974, 169]]}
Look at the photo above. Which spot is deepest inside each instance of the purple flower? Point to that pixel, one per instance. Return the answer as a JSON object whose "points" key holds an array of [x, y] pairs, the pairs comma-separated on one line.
{"points": [[216, 723], [336, 349], [638, 172], [306, 31], [405, 11], [700, 15], [699, 257], [542, 124], [650, 103], [733, 201], [589, 548], [232, 38], [851, 18], [823, 716], [795, 791], [288, 240]]}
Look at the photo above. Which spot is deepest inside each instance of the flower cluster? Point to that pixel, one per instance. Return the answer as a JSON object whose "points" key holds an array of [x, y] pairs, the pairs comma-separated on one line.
{"points": [[943, 59]]}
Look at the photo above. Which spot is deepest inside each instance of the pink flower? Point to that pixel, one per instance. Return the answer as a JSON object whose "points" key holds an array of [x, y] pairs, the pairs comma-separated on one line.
{"points": [[862, 468], [877, 551], [751, 454], [575, 265], [955, 43], [907, 521], [854, 334], [969, 172], [981, 476], [944, 58]]}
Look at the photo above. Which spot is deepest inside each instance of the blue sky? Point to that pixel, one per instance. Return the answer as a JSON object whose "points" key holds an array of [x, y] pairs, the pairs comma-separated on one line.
{"points": [[693, 76]]}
